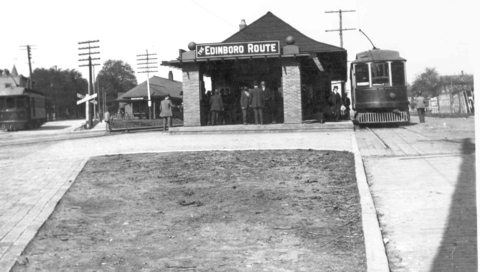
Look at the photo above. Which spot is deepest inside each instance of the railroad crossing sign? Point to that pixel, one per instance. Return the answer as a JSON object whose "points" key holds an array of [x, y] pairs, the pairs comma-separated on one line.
{"points": [[91, 101], [86, 98]]}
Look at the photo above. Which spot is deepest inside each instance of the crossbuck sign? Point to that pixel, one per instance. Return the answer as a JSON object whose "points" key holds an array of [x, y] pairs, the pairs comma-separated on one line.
{"points": [[86, 98]]}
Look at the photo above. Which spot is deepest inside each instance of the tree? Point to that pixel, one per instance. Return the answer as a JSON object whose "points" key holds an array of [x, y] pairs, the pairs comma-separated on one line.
{"points": [[115, 77], [428, 83], [60, 88]]}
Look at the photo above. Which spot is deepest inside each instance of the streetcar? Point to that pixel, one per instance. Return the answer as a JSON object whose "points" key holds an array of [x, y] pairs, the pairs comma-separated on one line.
{"points": [[379, 90], [21, 108]]}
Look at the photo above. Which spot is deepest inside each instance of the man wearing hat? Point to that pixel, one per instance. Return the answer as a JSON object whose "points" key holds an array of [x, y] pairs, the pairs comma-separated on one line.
{"points": [[420, 104], [270, 103], [257, 102], [166, 112], [336, 101]]}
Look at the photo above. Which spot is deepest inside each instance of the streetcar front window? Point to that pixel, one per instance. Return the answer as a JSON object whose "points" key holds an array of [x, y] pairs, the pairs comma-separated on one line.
{"points": [[10, 102], [398, 73], [380, 74], [20, 103], [362, 77]]}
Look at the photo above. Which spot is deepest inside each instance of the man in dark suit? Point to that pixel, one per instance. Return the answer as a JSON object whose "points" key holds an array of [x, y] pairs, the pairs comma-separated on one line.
{"points": [[270, 103], [336, 101], [346, 104], [244, 103], [216, 106], [257, 102]]}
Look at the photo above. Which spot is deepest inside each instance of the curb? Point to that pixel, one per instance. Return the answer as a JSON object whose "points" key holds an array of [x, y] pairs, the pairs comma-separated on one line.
{"points": [[376, 258], [374, 248], [49, 138]]}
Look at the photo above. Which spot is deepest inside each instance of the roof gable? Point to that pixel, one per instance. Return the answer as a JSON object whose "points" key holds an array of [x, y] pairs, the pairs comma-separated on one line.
{"points": [[270, 27], [14, 71]]}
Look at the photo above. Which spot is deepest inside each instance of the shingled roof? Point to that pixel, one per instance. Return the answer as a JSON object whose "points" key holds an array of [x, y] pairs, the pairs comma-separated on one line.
{"points": [[159, 87], [270, 27]]}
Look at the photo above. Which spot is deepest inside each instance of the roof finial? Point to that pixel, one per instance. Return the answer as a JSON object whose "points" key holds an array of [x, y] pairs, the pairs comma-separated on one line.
{"points": [[243, 24]]}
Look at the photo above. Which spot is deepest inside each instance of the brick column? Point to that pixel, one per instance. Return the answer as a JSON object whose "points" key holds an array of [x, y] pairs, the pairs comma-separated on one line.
{"points": [[191, 95], [292, 100]]}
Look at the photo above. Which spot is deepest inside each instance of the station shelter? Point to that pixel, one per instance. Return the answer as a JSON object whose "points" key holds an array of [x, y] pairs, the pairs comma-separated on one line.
{"points": [[134, 103], [299, 69]]}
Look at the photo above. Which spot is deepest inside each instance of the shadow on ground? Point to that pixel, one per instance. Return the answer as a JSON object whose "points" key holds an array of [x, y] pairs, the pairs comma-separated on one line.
{"points": [[458, 251]]}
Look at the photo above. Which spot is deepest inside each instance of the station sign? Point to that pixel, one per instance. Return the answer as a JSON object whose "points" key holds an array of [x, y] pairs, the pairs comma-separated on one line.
{"points": [[240, 49]]}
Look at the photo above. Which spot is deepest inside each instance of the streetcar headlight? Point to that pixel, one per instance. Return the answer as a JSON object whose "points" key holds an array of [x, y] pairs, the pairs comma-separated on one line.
{"points": [[392, 95]]}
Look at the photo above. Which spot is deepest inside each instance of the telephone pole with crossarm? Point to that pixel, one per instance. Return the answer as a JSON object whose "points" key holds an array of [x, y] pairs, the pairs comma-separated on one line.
{"points": [[341, 29], [90, 82], [146, 59]]}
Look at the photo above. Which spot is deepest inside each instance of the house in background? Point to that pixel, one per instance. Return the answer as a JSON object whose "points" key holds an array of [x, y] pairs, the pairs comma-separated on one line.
{"points": [[10, 79], [457, 95], [135, 102]]}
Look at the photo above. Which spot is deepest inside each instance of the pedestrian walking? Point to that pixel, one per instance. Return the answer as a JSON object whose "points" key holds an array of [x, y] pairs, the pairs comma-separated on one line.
{"points": [[257, 102], [166, 112], [420, 104], [107, 119]]}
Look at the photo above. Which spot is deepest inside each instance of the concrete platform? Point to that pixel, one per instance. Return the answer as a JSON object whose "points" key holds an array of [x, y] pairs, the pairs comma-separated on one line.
{"points": [[270, 128]]}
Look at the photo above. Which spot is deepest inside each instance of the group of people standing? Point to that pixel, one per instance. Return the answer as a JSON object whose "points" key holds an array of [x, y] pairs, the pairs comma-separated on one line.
{"points": [[256, 98], [339, 106]]}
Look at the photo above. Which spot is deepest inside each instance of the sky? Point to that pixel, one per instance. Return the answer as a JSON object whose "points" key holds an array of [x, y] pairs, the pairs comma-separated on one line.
{"points": [[436, 34]]}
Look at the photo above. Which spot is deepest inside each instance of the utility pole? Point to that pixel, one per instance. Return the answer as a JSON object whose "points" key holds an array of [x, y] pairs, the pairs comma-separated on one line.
{"points": [[146, 69], [90, 82], [341, 29], [29, 52], [94, 90]]}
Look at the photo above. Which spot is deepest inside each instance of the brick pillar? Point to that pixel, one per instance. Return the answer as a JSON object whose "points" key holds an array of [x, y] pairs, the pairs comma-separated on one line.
{"points": [[191, 95], [292, 100]]}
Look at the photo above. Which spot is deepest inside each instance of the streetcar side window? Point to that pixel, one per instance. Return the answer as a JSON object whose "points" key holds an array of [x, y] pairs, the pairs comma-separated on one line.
{"points": [[362, 77], [32, 105], [10, 102], [398, 73], [20, 103], [380, 74], [3, 105]]}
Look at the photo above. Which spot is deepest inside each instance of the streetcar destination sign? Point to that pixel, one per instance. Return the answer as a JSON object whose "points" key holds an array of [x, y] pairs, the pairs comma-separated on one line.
{"points": [[240, 49]]}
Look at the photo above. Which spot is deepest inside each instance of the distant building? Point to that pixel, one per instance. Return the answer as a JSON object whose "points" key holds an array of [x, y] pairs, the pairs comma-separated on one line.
{"points": [[12, 79], [456, 95], [135, 102]]}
